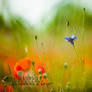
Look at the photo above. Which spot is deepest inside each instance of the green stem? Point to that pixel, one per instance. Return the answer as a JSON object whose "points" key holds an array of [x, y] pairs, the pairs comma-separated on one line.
{"points": [[76, 52], [9, 69], [83, 34], [38, 48]]}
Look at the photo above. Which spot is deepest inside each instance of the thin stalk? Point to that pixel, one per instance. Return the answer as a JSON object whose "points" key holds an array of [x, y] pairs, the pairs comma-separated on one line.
{"points": [[44, 57], [83, 32], [37, 47], [76, 52], [9, 69]]}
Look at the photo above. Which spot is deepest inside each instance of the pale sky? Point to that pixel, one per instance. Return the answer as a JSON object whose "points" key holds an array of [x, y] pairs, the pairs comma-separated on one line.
{"points": [[34, 10]]}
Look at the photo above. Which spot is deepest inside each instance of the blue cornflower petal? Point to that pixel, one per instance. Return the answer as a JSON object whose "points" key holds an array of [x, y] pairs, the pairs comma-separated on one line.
{"points": [[73, 37], [67, 38]]}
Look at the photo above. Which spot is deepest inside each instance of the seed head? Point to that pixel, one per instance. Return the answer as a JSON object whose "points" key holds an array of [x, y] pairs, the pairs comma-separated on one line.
{"points": [[35, 37], [65, 65], [44, 75], [68, 23], [39, 71]]}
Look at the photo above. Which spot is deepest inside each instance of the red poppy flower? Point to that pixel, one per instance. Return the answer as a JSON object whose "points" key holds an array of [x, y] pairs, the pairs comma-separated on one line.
{"points": [[19, 68], [39, 66], [22, 65]]}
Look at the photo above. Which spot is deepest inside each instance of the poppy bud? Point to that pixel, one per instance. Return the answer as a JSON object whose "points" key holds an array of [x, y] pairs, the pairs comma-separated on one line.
{"points": [[65, 65], [33, 63], [40, 77], [44, 75], [39, 71]]}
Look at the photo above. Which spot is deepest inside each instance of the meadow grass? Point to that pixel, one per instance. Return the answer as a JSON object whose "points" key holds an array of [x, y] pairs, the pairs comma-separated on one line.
{"points": [[68, 67]]}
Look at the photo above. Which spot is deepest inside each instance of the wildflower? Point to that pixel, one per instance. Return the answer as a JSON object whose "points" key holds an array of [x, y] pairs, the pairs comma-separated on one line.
{"points": [[39, 68], [71, 39], [21, 66]]}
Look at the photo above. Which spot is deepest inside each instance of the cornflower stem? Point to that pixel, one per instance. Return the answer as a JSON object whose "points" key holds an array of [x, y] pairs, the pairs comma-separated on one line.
{"points": [[76, 53]]}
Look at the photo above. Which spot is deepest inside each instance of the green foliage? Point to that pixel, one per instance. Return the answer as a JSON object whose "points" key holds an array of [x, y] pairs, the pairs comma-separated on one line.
{"points": [[72, 13]]}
